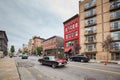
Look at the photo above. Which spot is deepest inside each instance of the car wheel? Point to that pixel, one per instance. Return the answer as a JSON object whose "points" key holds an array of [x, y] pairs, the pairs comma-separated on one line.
{"points": [[82, 60], [53, 66]]}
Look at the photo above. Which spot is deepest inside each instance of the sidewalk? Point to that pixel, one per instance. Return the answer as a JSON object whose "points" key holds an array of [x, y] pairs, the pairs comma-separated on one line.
{"points": [[102, 61], [8, 69]]}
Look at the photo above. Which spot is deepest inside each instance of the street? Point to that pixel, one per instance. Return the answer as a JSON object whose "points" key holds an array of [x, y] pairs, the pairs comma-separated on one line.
{"points": [[31, 69]]}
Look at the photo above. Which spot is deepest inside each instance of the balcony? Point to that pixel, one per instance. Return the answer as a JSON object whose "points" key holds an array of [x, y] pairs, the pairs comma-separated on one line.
{"points": [[91, 24], [112, 29], [91, 32], [90, 41], [114, 6], [94, 50], [114, 18], [89, 6], [90, 16], [115, 49], [116, 39]]}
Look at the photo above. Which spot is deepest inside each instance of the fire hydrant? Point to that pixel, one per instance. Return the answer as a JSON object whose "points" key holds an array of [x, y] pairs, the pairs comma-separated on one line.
{"points": [[105, 62]]}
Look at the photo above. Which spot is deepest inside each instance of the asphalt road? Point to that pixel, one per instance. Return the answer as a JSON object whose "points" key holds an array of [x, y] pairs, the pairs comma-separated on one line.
{"points": [[31, 69]]}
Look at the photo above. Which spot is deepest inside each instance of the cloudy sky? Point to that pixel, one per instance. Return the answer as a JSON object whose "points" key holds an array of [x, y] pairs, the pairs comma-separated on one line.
{"points": [[22, 19]]}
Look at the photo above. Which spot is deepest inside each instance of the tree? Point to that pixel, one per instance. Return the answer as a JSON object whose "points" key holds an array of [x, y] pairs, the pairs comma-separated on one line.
{"points": [[107, 45], [39, 49], [12, 49], [19, 50]]}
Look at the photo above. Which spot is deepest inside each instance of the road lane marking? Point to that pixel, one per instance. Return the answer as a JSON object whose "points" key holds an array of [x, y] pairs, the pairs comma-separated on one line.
{"points": [[108, 71]]}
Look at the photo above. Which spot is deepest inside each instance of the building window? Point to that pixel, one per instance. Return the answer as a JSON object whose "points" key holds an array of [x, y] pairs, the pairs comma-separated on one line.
{"points": [[115, 56], [68, 44], [90, 4], [115, 35], [115, 24], [76, 24], [65, 29], [91, 47], [115, 15], [90, 38], [76, 33], [115, 4], [66, 36], [90, 13], [90, 29], [90, 21], [116, 45], [73, 34]]}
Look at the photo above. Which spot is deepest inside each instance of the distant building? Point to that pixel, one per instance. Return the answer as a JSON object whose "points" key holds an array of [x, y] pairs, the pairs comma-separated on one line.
{"points": [[53, 45], [30, 46], [72, 35], [34, 43], [25, 48], [98, 19], [3, 43]]}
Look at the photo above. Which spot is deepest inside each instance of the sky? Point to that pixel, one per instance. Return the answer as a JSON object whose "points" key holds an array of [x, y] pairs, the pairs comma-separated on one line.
{"points": [[23, 19]]}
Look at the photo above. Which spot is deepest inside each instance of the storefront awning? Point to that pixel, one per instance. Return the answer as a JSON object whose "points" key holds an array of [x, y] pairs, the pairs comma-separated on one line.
{"points": [[67, 49]]}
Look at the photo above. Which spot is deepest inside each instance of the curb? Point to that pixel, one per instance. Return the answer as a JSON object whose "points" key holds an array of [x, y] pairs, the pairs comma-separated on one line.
{"points": [[102, 61], [17, 69]]}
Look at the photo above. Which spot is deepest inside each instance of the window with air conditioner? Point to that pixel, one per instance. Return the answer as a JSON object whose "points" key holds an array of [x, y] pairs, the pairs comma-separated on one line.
{"points": [[115, 4], [90, 21]]}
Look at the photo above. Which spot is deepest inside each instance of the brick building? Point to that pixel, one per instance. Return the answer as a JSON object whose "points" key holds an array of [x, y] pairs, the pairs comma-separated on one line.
{"points": [[71, 35], [99, 18], [53, 45], [34, 43], [3, 43]]}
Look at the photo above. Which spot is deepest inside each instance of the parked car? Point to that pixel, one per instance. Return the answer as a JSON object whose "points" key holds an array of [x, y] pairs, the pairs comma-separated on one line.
{"points": [[52, 61], [24, 56], [80, 58]]}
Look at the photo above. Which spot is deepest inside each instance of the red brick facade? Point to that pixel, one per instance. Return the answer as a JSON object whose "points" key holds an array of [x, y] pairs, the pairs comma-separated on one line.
{"points": [[71, 35]]}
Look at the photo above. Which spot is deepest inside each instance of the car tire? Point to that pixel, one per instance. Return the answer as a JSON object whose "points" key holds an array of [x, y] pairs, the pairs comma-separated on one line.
{"points": [[82, 60], [53, 66]]}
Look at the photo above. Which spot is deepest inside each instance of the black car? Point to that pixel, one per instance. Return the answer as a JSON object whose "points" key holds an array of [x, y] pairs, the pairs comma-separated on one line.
{"points": [[52, 61], [80, 58]]}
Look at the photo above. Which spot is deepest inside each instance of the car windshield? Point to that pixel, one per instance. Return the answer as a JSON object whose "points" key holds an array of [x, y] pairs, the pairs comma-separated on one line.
{"points": [[25, 54], [52, 58]]}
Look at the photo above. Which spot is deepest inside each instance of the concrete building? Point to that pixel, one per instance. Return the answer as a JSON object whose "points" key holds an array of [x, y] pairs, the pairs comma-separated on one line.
{"points": [[3, 43], [53, 45], [72, 35], [98, 19]]}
